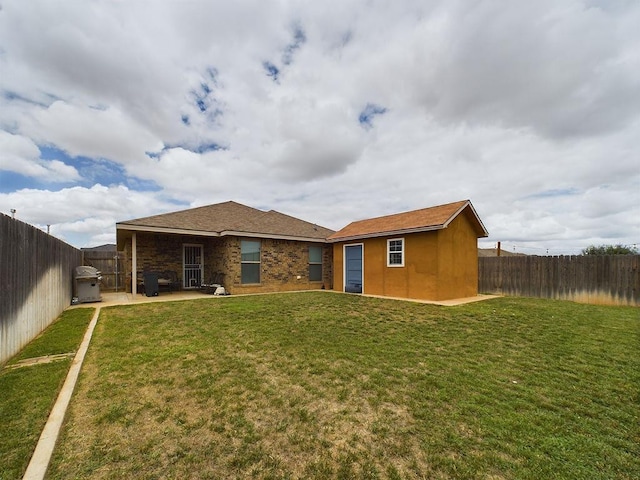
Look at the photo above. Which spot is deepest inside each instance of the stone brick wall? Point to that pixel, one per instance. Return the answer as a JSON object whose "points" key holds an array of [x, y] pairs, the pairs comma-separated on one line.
{"points": [[163, 252], [282, 261], [327, 266]]}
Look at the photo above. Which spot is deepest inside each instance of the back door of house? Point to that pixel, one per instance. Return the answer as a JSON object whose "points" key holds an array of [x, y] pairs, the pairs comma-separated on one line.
{"points": [[353, 268], [192, 266]]}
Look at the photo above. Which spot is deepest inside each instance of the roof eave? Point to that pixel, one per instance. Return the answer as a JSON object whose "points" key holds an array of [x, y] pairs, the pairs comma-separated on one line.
{"points": [[485, 232], [229, 233], [225, 233], [390, 233], [180, 231]]}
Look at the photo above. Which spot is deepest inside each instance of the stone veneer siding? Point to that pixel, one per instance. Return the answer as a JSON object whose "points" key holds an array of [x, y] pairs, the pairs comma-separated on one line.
{"points": [[282, 261], [163, 252]]}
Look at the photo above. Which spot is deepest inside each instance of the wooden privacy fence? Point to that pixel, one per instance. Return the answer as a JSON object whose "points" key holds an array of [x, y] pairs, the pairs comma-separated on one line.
{"points": [[36, 282], [601, 279], [109, 263]]}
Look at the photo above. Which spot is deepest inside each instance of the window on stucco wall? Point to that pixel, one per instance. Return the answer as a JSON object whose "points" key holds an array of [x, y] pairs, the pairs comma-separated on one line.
{"points": [[395, 252], [250, 261], [315, 264]]}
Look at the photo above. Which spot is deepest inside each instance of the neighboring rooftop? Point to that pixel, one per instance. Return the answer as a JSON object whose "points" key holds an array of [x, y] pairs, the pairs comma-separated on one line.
{"points": [[493, 252], [228, 218], [425, 219], [109, 247]]}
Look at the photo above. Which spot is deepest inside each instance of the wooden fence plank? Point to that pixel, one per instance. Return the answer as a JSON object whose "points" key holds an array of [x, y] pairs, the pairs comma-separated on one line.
{"points": [[110, 265], [36, 282], [602, 279]]}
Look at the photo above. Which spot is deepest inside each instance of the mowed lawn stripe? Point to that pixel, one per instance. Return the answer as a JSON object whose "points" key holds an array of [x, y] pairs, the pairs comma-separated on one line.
{"points": [[324, 385]]}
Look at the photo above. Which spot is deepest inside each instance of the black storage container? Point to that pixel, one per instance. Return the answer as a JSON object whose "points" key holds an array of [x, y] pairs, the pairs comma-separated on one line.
{"points": [[150, 284]]}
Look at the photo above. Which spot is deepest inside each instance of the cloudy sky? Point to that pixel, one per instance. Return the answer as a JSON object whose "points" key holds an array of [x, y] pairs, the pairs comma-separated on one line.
{"points": [[330, 111]]}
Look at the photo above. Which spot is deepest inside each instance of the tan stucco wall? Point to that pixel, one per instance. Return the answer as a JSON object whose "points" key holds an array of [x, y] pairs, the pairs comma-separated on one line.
{"points": [[439, 265], [457, 260], [338, 267]]}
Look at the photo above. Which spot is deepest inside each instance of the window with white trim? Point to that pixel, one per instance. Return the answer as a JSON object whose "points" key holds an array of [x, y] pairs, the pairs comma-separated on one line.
{"points": [[250, 261], [395, 252]]}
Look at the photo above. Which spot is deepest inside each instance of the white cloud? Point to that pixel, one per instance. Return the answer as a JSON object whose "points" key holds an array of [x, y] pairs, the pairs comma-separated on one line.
{"points": [[314, 138], [557, 68], [79, 215], [91, 132], [20, 155], [530, 109]]}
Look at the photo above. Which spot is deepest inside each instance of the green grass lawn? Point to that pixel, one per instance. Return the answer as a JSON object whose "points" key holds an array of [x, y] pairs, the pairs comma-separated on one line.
{"points": [[324, 385], [28, 393]]}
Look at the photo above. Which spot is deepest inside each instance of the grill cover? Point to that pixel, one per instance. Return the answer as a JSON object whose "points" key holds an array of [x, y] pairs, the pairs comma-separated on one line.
{"points": [[86, 272]]}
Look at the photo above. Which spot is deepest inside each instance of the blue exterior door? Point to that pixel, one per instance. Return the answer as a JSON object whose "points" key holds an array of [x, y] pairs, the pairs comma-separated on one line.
{"points": [[353, 268]]}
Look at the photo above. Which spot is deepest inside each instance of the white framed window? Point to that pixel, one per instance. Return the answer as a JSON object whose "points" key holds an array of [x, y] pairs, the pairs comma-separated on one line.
{"points": [[315, 263], [250, 261], [395, 252]]}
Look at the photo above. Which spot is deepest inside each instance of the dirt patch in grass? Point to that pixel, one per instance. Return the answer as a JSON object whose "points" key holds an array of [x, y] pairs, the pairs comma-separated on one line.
{"points": [[29, 362]]}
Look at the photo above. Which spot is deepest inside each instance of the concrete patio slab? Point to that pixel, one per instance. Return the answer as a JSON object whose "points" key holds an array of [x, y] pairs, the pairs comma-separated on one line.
{"points": [[444, 303], [122, 298]]}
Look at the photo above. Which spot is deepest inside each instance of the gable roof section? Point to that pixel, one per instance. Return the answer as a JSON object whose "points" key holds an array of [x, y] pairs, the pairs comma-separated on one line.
{"points": [[423, 220], [229, 218]]}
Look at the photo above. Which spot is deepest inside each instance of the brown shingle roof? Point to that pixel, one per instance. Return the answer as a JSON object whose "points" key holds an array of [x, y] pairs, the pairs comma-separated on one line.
{"points": [[432, 218], [229, 218]]}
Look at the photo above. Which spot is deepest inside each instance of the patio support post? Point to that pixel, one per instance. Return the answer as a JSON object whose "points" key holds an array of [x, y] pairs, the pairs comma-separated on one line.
{"points": [[134, 266]]}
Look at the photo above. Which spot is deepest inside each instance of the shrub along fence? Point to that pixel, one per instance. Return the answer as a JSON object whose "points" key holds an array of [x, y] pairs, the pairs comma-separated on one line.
{"points": [[36, 282], [602, 279]]}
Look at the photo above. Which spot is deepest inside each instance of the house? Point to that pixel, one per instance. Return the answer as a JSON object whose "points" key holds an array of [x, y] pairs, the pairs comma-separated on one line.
{"points": [[429, 254], [245, 249]]}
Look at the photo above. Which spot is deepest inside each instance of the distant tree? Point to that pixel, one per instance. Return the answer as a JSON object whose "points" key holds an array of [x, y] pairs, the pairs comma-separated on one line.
{"points": [[610, 250]]}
